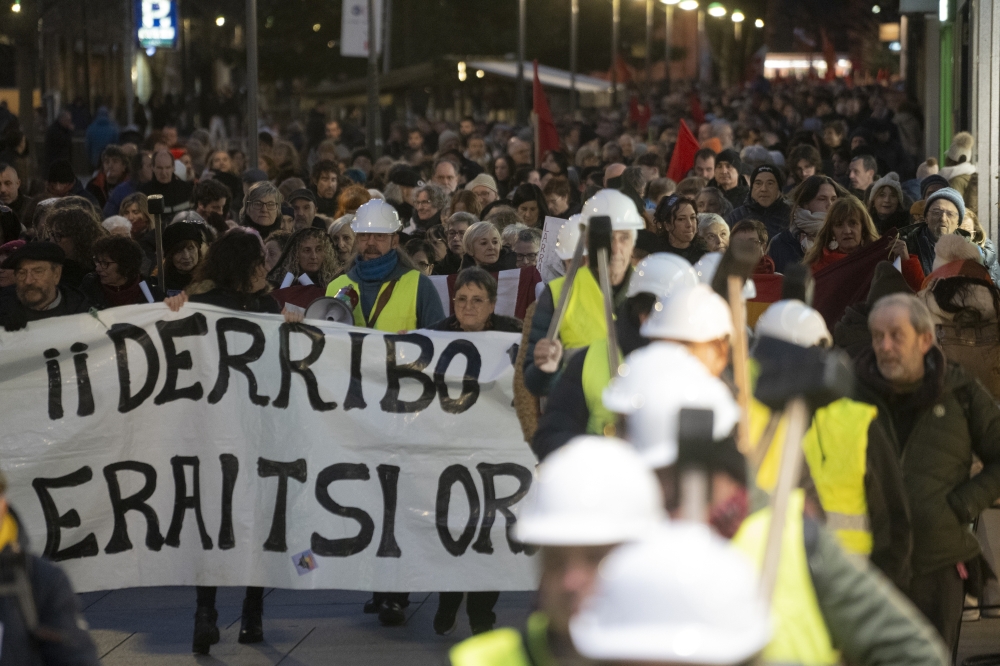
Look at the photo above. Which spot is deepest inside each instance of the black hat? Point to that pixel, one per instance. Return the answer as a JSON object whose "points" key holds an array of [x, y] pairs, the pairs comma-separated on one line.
{"points": [[404, 177], [178, 232], [767, 168], [302, 193], [251, 176], [61, 171], [731, 157], [933, 179], [40, 251]]}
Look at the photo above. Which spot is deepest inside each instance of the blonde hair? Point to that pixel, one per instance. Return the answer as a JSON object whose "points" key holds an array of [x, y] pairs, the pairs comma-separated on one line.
{"points": [[846, 208], [477, 231]]}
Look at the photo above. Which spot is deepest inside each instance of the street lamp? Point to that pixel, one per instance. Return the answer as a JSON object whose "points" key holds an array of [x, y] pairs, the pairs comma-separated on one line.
{"points": [[759, 23], [16, 7], [220, 21], [716, 10], [738, 18], [688, 5]]}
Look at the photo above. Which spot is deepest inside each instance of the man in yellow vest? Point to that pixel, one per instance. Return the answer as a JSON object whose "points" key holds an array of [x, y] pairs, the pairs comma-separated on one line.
{"points": [[386, 291], [680, 595], [857, 478], [584, 320], [574, 406], [588, 497]]}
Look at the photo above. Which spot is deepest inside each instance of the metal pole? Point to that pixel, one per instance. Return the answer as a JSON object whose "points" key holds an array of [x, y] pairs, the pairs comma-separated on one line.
{"points": [[128, 57], [155, 207], [574, 23], [86, 60], [649, 51], [522, 113], [252, 84], [666, 46], [387, 37], [616, 17], [374, 124]]}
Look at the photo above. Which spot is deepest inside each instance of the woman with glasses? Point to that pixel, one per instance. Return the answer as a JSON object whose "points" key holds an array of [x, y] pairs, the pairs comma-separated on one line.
{"points": [[422, 254], [262, 209], [475, 301], [116, 279], [849, 227]]}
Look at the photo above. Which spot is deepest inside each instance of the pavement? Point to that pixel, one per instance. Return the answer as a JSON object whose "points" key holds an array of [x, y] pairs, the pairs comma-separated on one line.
{"points": [[153, 625]]}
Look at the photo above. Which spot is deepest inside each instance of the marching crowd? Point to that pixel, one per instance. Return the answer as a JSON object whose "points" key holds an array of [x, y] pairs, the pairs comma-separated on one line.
{"points": [[650, 548]]}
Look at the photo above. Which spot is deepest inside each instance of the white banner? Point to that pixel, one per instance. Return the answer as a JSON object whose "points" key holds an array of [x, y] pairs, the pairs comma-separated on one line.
{"points": [[206, 447], [354, 28]]}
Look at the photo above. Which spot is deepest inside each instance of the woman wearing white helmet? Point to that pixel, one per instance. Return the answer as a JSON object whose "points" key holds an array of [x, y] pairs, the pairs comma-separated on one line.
{"points": [[575, 405], [583, 321]]}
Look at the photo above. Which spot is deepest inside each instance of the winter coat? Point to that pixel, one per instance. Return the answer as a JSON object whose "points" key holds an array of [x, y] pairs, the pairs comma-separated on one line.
{"points": [[102, 131], [989, 251], [176, 195], [737, 196], [775, 217], [15, 316], [901, 218], [496, 322], [936, 430], [118, 194], [920, 243], [693, 252], [785, 249], [911, 268], [58, 609], [210, 294]]}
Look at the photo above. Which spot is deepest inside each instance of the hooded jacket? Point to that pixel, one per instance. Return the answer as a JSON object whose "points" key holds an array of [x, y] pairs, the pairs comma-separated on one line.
{"points": [[935, 431], [775, 217]]}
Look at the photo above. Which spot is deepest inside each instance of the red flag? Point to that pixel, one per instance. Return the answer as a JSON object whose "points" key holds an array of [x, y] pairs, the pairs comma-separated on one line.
{"points": [[697, 113], [829, 55], [548, 136], [682, 160], [846, 282]]}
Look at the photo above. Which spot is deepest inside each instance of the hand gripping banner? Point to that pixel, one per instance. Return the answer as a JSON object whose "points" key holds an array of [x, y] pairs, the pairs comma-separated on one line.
{"points": [[145, 447]]}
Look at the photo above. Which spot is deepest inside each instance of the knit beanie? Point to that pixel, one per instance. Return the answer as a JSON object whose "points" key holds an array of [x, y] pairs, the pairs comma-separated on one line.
{"points": [[961, 146], [890, 180], [771, 169], [951, 195], [927, 168], [931, 180], [61, 172], [731, 157]]}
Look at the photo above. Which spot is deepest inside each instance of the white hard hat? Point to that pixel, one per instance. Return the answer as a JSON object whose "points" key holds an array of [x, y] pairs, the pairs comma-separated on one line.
{"points": [[653, 385], [376, 217], [661, 274], [622, 211], [681, 595], [794, 321], [697, 314], [568, 237], [706, 267], [592, 491]]}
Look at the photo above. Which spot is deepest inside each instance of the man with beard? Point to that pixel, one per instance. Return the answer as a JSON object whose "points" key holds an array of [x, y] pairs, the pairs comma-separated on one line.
{"points": [[36, 293]]}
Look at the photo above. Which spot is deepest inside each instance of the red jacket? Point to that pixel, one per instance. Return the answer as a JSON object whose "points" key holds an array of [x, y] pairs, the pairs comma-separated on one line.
{"points": [[912, 272]]}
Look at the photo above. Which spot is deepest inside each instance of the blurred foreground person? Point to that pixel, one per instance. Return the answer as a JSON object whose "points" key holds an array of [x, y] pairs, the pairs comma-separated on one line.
{"points": [[590, 496]]}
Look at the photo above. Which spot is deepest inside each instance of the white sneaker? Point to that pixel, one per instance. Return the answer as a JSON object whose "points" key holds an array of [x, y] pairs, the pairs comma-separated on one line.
{"points": [[971, 613]]}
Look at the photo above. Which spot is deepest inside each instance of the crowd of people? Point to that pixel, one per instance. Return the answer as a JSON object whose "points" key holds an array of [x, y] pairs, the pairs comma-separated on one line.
{"points": [[880, 559]]}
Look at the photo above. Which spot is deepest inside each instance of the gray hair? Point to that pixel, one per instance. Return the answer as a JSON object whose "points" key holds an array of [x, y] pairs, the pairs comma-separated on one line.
{"points": [[510, 233], [755, 156], [257, 192], [708, 220], [462, 216], [475, 232], [116, 222], [503, 216], [530, 235], [633, 177], [393, 193], [436, 193], [920, 317]]}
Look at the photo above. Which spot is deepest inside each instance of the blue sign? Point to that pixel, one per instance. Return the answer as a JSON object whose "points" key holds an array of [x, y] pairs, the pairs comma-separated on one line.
{"points": [[157, 23]]}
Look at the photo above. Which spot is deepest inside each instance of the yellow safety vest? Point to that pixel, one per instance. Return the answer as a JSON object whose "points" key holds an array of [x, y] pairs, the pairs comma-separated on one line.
{"points": [[800, 635], [835, 447], [584, 319], [596, 377], [506, 647], [399, 314]]}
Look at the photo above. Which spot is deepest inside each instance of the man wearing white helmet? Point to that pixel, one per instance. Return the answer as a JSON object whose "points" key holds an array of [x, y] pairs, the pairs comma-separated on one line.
{"points": [[387, 291], [590, 496], [854, 468], [583, 321], [574, 406], [681, 595], [697, 318]]}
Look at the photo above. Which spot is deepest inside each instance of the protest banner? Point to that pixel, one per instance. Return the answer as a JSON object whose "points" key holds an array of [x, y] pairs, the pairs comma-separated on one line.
{"points": [[145, 447]]}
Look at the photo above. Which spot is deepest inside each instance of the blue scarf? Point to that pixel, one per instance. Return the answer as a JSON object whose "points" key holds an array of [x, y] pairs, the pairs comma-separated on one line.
{"points": [[376, 270]]}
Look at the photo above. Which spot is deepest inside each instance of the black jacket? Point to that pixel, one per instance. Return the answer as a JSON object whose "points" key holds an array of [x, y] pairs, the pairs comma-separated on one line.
{"points": [[496, 323], [693, 252], [15, 316], [58, 611], [737, 196], [176, 195], [775, 217], [785, 249], [934, 431], [234, 300]]}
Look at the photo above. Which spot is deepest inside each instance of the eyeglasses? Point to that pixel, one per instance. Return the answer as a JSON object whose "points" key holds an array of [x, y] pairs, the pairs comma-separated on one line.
{"points": [[475, 301], [101, 263], [455, 233], [530, 257], [260, 205], [938, 214], [423, 202]]}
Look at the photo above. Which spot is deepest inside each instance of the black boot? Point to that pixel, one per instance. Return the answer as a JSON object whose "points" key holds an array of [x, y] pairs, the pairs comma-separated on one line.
{"points": [[206, 633], [252, 625]]}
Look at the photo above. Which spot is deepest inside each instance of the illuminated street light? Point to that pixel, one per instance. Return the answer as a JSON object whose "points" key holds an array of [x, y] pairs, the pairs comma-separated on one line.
{"points": [[670, 2], [876, 9], [688, 5], [220, 21], [716, 10], [16, 7], [759, 23], [738, 16], [895, 47], [480, 73], [316, 27]]}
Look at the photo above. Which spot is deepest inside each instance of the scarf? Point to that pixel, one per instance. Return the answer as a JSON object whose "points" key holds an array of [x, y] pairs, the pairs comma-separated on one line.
{"points": [[376, 270], [807, 222]]}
